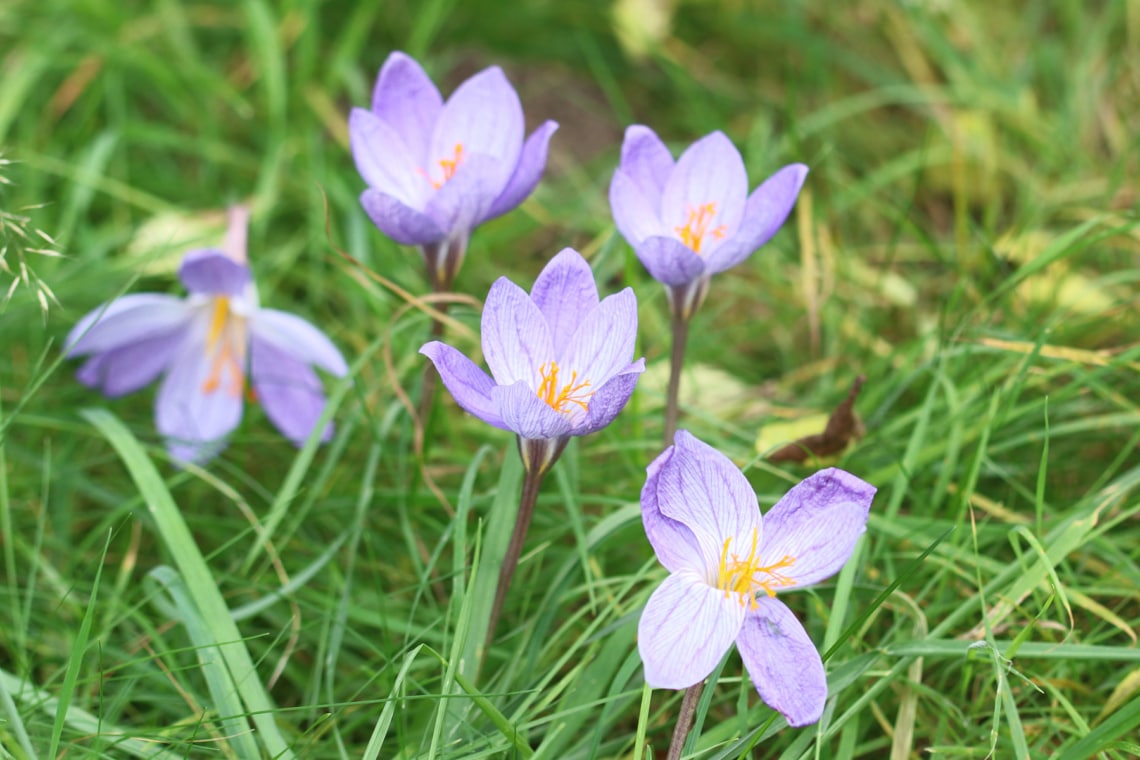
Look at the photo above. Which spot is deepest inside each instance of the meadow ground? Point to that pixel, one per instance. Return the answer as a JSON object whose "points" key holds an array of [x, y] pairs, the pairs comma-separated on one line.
{"points": [[967, 241]]}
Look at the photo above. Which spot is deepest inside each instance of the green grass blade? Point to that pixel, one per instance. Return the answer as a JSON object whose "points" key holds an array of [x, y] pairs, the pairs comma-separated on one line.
{"points": [[177, 605], [75, 659], [380, 733], [84, 723], [200, 582]]}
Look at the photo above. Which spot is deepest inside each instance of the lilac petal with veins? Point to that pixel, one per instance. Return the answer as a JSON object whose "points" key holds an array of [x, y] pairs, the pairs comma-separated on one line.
{"points": [[407, 99], [288, 389], [528, 172], [564, 292], [783, 663], [399, 221], [764, 213], [128, 368], [516, 339], [184, 410], [685, 630], [470, 386], [212, 272]]}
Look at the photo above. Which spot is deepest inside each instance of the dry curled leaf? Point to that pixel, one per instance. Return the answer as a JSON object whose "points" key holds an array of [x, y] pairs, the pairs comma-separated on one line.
{"points": [[843, 426]]}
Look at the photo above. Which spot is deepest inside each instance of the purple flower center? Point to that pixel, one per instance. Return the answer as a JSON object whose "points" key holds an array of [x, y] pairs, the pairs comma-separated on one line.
{"points": [[225, 349], [560, 397], [447, 167], [698, 220], [746, 576]]}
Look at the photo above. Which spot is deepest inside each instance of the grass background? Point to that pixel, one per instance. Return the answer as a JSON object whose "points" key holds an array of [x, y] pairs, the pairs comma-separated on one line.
{"points": [[967, 241]]}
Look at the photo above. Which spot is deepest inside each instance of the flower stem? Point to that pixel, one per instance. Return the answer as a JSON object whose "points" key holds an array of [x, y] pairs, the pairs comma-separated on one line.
{"points": [[431, 375], [676, 363], [237, 230], [532, 483], [442, 260], [685, 720]]}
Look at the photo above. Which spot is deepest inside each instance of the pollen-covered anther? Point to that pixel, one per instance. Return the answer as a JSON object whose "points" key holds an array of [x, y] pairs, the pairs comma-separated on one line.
{"points": [[744, 577], [560, 397], [225, 347], [698, 220]]}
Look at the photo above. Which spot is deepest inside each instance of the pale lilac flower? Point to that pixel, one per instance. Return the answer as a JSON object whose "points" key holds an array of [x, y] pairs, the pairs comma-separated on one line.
{"points": [[726, 566], [436, 170], [560, 360], [689, 219], [215, 347]]}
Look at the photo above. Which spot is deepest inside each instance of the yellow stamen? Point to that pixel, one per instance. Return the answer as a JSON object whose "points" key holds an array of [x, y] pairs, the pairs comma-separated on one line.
{"points": [[740, 576], [225, 349], [559, 398], [696, 226]]}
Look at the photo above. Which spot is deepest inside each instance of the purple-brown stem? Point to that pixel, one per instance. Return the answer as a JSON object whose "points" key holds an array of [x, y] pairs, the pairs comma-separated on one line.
{"points": [[673, 393], [538, 457], [685, 720], [442, 260], [431, 374]]}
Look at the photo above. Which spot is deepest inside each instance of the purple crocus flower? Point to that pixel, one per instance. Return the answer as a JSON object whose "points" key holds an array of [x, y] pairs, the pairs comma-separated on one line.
{"points": [[215, 347], [436, 170], [689, 219], [560, 360], [726, 566]]}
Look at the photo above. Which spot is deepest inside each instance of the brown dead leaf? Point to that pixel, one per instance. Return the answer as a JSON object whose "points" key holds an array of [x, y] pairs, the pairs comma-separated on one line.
{"points": [[842, 427]]}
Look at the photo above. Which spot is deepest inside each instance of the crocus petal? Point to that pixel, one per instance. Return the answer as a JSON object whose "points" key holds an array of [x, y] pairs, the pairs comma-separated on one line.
{"points": [[212, 272], [565, 292], [765, 212], [125, 321], [463, 200], [669, 261], [646, 160], [406, 98], [399, 221], [817, 524], [709, 171], [527, 415], [686, 628], [516, 340], [608, 401], [484, 116], [701, 488], [635, 217], [385, 162], [130, 367], [299, 338], [603, 343], [674, 544], [288, 390], [189, 417], [468, 384], [531, 165], [782, 662]]}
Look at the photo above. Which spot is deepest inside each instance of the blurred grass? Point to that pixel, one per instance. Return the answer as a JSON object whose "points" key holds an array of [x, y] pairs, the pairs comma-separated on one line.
{"points": [[969, 244]]}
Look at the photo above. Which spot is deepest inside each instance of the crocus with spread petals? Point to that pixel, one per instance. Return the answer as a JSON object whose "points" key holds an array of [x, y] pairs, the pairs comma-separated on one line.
{"points": [[436, 169], [214, 348], [727, 565], [561, 361], [561, 365], [689, 219]]}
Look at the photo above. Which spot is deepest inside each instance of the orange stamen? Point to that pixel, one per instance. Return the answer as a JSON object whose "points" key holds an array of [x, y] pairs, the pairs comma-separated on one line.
{"points": [[558, 398], [447, 165], [696, 226], [739, 576], [225, 348]]}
